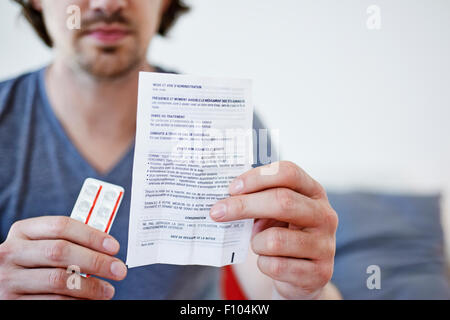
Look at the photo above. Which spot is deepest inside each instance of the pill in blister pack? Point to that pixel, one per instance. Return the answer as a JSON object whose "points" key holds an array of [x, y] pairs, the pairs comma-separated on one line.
{"points": [[97, 204]]}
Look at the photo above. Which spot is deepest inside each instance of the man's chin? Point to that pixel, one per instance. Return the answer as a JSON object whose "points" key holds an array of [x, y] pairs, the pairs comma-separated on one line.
{"points": [[109, 65], [108, 61]]}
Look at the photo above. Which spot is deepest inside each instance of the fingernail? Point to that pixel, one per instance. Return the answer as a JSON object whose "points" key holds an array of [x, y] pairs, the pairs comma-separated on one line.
{"points": [[218, 211], [236, 186], [108, 291], [110, 245], [118, 269]]}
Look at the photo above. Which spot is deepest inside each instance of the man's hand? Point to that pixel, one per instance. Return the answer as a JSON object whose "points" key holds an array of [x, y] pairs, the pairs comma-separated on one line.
{"points": [[295, 227], [35, 256]]}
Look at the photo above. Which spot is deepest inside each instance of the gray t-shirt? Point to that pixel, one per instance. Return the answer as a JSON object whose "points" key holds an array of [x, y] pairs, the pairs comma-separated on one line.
{"points": [[41, 173]]}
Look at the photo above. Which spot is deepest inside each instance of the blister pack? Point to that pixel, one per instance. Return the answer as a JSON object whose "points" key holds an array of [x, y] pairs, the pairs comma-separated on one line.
{"points": [[97, 204]]}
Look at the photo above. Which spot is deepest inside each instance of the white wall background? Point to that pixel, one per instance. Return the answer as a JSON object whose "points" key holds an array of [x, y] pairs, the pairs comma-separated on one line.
{"points": [[356, 108]]}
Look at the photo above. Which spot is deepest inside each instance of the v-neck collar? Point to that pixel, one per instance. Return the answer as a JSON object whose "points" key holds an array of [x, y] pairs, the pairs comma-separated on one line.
{"points": [[69, 145]]}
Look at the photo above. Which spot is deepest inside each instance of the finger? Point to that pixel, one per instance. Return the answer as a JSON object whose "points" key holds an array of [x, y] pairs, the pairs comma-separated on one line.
{"points": [[286, 242], [69, 229], [263, 224], [287, 175], [45, 297], [56, 281], [280, 204], [62, 253], [298, 272]]}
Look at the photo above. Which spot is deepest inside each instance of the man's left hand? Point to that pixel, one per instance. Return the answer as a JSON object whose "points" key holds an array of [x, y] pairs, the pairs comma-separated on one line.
{"points": [[295, 226]]}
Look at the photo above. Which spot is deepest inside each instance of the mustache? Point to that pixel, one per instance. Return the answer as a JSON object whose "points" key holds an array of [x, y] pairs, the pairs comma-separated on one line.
{"points": [[102, 17]]}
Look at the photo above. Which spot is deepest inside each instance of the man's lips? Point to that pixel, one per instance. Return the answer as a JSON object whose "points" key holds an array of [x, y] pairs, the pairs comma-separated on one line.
{"points": [[108, 35]]}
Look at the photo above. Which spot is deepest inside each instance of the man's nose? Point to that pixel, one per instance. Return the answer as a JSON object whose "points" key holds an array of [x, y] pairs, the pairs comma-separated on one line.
{"points": [[108, 6]]}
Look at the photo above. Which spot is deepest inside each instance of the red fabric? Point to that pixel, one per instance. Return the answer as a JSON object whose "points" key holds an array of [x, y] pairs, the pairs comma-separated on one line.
{"points": [[231, 290]]}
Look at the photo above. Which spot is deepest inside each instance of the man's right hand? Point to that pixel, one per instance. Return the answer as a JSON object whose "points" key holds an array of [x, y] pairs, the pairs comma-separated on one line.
{"points": [[37, 252]]}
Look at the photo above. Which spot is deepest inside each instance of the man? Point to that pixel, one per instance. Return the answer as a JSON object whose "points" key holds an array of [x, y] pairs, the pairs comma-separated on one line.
{"points": [[77, 119]]}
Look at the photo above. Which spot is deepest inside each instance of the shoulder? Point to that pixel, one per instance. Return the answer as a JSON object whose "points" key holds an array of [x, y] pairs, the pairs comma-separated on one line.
{"points": [[17, 102], [161, 69], [258, 122], [16, 91]]}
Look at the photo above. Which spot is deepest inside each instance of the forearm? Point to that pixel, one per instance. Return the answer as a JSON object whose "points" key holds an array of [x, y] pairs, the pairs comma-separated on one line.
{"points": [[255, 284], [259, 286]]}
